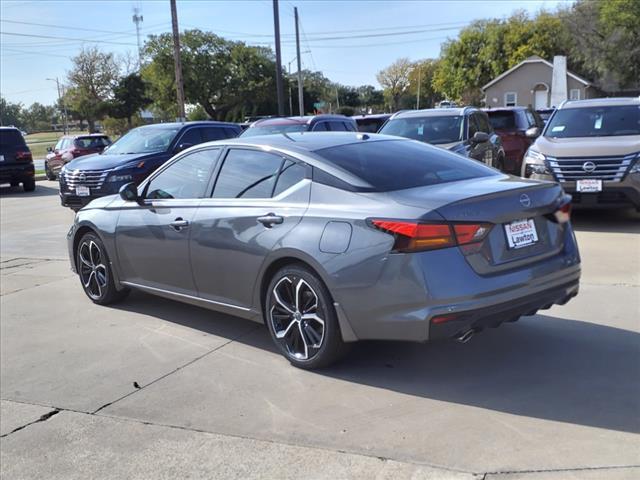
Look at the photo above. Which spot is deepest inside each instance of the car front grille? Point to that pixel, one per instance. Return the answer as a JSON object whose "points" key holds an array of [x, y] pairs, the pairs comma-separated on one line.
{"points": [[94, 179], [568, 169]]}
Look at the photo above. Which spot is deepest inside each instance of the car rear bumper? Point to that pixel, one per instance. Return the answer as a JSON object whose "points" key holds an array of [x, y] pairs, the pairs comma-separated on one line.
{"points": [[16, 172]]}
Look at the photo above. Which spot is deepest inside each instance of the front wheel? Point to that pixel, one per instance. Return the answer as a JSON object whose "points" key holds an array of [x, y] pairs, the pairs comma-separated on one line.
{"points": [[94, 270], [302, 319], [29, 185]]}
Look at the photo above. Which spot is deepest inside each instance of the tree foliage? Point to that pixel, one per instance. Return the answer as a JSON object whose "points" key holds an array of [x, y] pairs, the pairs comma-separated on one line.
{"points": [[395, 80], [129, 97]]}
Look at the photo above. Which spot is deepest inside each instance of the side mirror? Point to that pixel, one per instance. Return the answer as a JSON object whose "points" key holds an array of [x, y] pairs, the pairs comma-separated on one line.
{"points": [[182, 146], [480, 137], [129, 192], [533, 132], [49, 149]]}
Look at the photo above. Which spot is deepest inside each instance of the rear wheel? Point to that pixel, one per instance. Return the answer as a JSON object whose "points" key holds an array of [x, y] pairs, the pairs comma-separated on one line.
{"points": [[95, 273], [302, 320], [48, 172], [15, 184], [29, 185]]}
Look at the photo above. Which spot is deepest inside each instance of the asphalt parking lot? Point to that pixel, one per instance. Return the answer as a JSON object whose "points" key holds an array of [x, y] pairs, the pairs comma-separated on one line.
{"points": [[157, 389]]}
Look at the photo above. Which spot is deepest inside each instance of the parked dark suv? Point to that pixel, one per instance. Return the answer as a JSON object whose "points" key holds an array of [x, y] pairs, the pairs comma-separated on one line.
{"points": [[465, 131], [70, 147], [132, 157], [518, 127], [315, 123], [371, 123], [16, 162]]}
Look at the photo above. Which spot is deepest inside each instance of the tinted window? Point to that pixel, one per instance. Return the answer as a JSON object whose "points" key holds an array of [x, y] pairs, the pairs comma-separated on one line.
{"points": [[336, 126], [11, 137], [185, 178], [91, 142], [144, 140], [503, 120], [211, 134], [531, 119], [483, 123], [247, 174], [473, 126], [291, 174], [231, 132], [398, 164], [369, 126], [436, 130], [321, 127], [273, 129], [595, 122], [193, 136]]}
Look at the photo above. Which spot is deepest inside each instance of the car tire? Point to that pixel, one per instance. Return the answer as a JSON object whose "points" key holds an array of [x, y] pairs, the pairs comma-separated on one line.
{"points": [[302, 320], [95, 272], [48, 172], [29, 185]]}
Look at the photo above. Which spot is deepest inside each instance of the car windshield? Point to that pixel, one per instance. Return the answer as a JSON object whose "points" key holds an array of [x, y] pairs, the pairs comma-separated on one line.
{"points": [[144, 140], [399, 164], [436, 129], [502, 120], [274, 129], [611, 121]]}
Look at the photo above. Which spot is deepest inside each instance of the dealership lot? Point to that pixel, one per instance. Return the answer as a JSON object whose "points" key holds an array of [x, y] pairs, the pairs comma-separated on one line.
{"points": [[153, 388]]}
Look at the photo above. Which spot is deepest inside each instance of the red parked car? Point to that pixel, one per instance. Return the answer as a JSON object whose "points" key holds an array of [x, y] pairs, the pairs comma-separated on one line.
{"points": [[518, 127], [70, 147]]}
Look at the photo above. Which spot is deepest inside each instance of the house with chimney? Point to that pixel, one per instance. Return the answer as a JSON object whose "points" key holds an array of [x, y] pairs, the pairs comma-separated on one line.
{"points": [[539, 83]]}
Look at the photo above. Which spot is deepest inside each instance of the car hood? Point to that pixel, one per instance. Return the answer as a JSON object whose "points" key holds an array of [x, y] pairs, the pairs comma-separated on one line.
{"points": [[448, 146], [105, 161], [587, 146]]}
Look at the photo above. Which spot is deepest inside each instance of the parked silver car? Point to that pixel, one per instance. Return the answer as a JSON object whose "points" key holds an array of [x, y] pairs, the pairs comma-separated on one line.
{"points": [[330, 238]]}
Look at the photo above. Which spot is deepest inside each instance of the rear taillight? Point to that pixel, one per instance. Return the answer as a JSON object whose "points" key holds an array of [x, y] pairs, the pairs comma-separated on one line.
{"points": [[563, 214], [24, 156], [414, 236]]}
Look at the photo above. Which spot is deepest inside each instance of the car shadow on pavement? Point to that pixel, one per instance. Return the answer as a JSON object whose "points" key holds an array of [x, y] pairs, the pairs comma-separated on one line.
{"points": [[613, 221], [542, 366], [40, 191]]}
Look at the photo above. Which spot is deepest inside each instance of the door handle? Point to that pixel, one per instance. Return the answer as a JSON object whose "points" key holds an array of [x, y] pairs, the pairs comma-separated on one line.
{"points": [[270, 219], [179, 223]]}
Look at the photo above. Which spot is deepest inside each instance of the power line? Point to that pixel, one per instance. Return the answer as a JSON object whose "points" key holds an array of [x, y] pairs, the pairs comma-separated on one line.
{"points": [[66, 38], [21, 52]]}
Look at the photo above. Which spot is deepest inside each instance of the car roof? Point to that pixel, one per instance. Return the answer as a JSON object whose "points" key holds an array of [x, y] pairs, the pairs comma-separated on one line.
{"points": [[504, 109], [600, 102], [435, 112], [304, 120], [374, 116], [204, 123], [9, 128]]}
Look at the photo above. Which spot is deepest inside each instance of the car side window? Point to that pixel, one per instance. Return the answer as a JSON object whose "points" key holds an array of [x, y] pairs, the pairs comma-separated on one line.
{"points": [[211, 134], [320, 127], [247, 174], [187, 177], [349, 126], [483, 123], [59, 144], [290, 174], [192, 136], [473, 125], [531, 120], [337, 126]]}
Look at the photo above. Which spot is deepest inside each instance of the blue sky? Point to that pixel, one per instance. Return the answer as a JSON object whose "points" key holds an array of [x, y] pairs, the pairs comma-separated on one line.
{"points": [[413, 29]]}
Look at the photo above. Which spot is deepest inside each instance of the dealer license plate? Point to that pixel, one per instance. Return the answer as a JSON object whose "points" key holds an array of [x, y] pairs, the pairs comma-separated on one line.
{"points": [[521, 233], [589, 186], [83, 191], [1, 158]]}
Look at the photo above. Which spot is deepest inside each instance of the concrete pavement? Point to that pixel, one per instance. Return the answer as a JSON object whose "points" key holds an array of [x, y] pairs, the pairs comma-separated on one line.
{"points": [[552, 396]]}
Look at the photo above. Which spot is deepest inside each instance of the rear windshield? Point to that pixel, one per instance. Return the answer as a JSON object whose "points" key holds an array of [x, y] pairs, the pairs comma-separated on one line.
{"points": [[609, 121], [92, 142], [436, 129], [502, 120], [10, 138], [274, 129], [399, 164]]}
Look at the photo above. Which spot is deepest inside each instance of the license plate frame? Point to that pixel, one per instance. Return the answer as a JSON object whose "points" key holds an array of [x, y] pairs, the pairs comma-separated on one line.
{"points": [[83, 191], [521, 233], [589, 185]]}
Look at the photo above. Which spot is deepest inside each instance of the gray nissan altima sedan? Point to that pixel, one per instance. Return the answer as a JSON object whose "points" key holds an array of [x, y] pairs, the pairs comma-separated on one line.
{"points": [[331, 238]]}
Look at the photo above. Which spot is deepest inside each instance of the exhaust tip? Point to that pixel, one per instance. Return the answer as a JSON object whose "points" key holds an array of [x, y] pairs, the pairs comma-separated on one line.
{"points": [[464, 337]]}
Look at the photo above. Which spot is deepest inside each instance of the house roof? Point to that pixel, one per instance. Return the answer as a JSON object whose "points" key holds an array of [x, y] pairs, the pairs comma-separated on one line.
{"points": [[533, 59]]}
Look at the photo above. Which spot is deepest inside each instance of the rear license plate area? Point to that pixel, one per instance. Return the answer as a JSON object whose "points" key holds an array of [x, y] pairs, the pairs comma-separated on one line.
{"points": [[589, 186], [521, 233], [83, 191]]}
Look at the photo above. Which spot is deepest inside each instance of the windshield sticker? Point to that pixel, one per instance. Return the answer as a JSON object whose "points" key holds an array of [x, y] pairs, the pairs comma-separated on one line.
{"points": [[558, 128], [421, 130], [598, 124]]}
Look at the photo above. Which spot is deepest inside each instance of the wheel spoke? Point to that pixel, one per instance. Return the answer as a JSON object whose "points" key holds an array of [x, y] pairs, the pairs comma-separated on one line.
{"points": [[278, 299], [303, 288], [283, 333], [304, 342], [94, 254], [84, 250], [88, 282], [101, 275]]}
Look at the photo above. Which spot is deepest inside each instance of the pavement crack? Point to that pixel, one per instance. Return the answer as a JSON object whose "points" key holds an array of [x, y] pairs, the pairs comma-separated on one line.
{"points": [[560, 470], [177, 369], [43, 418]]}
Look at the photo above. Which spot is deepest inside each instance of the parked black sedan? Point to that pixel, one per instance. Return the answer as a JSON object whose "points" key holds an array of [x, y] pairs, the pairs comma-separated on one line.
{"points": [[465, 131]]}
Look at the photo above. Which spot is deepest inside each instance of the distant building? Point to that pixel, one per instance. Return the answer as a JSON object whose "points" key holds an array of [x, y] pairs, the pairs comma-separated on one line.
{"points": [[538, 83]]}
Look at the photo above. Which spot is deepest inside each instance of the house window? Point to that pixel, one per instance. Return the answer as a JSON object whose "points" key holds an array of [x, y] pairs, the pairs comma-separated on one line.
{"points": [[510, 99], [574, 94]]}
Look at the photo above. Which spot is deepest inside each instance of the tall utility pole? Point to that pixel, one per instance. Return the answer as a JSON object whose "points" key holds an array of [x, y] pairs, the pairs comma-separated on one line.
{"points": [[137, 19], [300, 92], [61, 100], [279, 86], [419, 82], [177, 62]]}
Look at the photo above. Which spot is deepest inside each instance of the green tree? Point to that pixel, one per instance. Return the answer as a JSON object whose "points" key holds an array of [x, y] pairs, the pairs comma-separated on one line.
{"points": [[129, 97], [395, 80], [371, 98], [422, 74], [92, 78], [10, 113]]}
